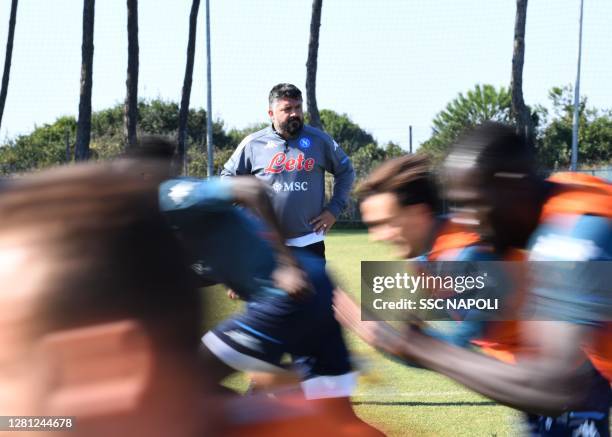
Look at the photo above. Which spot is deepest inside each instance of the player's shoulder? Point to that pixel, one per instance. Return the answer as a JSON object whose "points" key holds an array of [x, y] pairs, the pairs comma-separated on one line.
{"points": [[173, 192], [472, 252], [186, 192], [451, 240], [188, 183], [576, 220], [577, 194], [478, 252], [572, 238]]}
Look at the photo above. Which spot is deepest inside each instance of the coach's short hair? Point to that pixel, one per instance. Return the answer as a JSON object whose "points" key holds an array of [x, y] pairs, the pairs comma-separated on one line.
{"points": [[409, 177], [284, 91], [108, 252]]}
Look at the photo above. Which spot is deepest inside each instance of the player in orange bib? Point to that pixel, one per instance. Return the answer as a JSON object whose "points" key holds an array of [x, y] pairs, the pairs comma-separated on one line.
{"points": [[400, 205], [496, 186]]}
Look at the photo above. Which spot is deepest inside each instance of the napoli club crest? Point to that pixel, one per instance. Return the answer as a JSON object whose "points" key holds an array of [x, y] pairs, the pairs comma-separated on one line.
{"points": [[304, 143]]}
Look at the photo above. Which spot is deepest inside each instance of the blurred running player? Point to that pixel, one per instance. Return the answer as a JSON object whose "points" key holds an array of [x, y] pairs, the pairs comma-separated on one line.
{"points": [[99, 319], [572, 213], [233, 247], [400, 205], [104, 320], [241, 231], [493, 179]]}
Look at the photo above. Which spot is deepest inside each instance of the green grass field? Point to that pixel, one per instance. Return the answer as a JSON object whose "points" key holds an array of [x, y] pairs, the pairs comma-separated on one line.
{"points": [[398, 400]]}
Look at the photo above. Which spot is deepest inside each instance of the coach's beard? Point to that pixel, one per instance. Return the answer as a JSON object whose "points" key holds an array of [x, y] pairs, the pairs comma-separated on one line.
{"points": [[292, 126]]}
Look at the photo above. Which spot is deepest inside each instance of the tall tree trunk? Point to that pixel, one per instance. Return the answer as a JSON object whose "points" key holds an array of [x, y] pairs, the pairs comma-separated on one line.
{"points": [[87, 49], [7, 58], [186, 93], [311, 64], [520, 111], [130, 108]]}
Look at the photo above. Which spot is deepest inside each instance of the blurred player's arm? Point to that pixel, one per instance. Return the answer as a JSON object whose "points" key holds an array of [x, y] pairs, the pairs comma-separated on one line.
{"points": [[551, 384], [179, 195], [250, 192], [339, 164]]}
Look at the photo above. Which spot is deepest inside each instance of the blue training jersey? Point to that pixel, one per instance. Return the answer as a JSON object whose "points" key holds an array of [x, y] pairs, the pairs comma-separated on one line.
{"points": [[574, 292], [225, 241]]}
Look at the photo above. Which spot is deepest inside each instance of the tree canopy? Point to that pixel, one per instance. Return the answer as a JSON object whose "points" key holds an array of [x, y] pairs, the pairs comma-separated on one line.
{"points": [[554, 140], [553, 127], [483, 103], [46, 145]]}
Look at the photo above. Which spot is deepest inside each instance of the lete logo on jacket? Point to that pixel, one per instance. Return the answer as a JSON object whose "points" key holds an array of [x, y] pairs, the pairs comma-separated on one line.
{"points": [[279, 163]]}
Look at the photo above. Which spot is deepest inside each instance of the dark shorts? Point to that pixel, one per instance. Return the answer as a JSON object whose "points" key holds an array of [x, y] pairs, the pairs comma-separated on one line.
{"points": [[273, 326], [316, 347], [317, 249]]}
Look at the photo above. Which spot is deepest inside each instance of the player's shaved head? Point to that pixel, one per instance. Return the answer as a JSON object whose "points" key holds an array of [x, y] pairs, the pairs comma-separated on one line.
{"points": [[495, 149], [490, 177]]}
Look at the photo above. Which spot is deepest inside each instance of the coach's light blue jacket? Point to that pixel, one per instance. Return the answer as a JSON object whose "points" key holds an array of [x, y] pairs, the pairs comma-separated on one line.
{"points": [[295, 170]]}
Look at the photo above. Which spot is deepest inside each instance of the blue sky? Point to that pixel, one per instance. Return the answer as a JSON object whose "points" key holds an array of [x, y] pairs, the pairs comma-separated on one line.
{"points": [[388, 63]]}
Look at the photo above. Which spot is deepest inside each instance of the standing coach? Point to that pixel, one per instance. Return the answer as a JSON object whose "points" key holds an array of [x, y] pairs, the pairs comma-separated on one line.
{"points": [[292, 159]]}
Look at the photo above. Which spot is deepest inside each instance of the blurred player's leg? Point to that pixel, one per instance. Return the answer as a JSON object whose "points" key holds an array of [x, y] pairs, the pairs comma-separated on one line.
{"points": [[273, 382]]}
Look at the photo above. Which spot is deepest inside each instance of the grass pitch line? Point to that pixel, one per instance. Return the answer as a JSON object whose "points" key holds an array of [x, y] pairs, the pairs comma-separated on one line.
{"points": [[409, 394]]}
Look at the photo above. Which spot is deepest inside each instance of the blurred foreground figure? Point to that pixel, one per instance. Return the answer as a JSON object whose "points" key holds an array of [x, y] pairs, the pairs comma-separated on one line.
{"points": [[233, 246], [491, 178], [98, 319]]}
